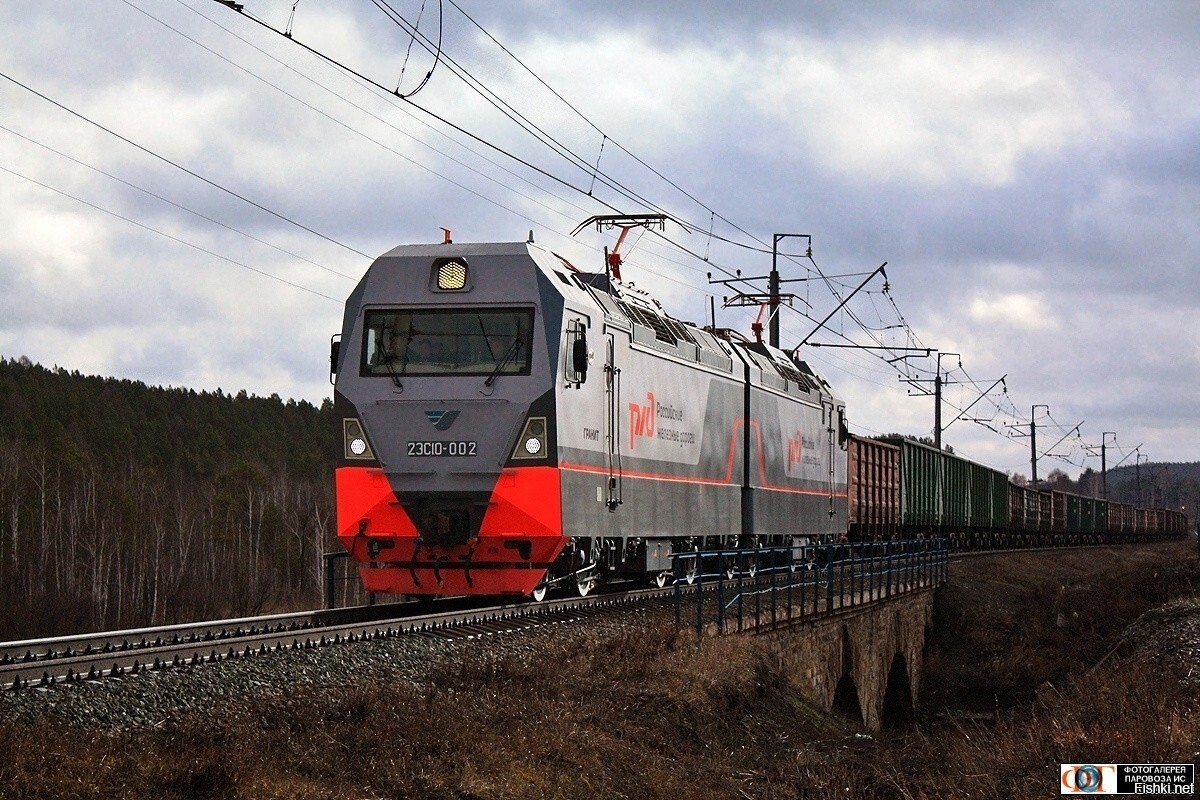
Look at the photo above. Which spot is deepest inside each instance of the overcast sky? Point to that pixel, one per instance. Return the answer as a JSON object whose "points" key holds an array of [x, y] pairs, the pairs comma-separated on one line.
{"points": [[192, 196]]}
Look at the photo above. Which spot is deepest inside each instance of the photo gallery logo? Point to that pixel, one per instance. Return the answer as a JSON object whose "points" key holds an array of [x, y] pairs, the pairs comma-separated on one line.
{"points": [[1172, 779], [1088, 778]]}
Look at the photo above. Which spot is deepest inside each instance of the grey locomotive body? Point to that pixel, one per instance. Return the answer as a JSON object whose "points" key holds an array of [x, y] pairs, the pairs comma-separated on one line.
{"points": [[512, 423]]}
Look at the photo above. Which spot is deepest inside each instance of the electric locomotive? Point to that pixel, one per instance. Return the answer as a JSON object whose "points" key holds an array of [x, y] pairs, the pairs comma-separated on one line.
{"points": [[511, 423]]}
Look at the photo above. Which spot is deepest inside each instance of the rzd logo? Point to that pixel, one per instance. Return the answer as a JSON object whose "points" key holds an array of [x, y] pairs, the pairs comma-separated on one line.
{"points": [[641, 420], [795, 446]]}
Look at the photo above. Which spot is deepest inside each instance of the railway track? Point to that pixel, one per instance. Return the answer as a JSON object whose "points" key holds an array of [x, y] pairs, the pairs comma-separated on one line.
{"points": [[88, 657], [47, 662]]}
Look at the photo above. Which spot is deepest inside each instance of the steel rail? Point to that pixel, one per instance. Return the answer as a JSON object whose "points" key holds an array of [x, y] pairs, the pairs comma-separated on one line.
{"points": [[46, 662], [210, 631]]}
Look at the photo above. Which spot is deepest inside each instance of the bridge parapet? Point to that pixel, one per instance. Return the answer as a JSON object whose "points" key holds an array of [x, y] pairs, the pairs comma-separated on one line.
{"points": [[767, 588], [849, 621]]}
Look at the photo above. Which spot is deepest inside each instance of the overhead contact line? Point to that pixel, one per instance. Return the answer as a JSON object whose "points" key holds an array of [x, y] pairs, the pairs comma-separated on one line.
{"points": [[178, 166], [166, 235]]}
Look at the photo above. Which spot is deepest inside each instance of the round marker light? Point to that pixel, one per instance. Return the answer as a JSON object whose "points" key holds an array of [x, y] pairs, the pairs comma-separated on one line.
{"points": [[355, 440], [532, 440]]}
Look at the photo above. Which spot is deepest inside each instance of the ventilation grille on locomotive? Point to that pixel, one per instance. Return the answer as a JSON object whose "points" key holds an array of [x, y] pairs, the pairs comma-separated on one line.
{"points": [[795, 376], [665, 329]]}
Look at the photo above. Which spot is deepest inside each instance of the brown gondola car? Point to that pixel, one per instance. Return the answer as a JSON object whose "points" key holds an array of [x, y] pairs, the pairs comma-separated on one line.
{"points": [[1030, 516], [874, 488], [1120, 518], [1022, 508]]}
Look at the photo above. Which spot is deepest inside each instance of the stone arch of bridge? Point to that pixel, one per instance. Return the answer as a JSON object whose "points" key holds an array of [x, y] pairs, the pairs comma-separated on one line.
{"points": [[846, 700], [898, 708]]}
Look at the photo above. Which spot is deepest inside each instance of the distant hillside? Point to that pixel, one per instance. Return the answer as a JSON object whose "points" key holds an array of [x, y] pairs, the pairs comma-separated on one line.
{"points": [[1178, 471], [1158, 484], [1154, 485], [123, 504]]}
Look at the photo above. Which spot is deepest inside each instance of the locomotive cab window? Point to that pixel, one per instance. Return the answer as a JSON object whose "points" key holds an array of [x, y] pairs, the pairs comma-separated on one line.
{"points": [[448, 342], [576, 364]]}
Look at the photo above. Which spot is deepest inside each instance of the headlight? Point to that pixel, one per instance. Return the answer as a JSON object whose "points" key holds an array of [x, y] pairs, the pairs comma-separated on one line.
{"points": [[355, 440], [451, 275], [532, 442]]}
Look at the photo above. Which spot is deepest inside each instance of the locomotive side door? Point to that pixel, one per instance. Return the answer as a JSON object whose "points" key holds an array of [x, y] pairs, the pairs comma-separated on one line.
{"points": [[592, 412], [612, 423], [828, 417]]}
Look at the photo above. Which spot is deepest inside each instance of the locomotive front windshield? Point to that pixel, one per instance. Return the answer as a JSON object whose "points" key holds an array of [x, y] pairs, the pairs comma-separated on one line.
{"points": [[448, 342]]}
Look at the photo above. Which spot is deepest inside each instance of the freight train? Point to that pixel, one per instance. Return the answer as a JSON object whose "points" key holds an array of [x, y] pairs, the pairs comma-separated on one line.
{"points": [[901, 488], [512, 423]]}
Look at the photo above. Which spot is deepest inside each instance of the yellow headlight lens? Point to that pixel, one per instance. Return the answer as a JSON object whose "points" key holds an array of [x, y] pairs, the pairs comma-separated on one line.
{"points": [[452, 276]]}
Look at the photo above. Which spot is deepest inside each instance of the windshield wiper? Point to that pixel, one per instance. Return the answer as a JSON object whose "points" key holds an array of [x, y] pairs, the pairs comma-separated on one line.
{"points": [[387, 362], [509, 355]]}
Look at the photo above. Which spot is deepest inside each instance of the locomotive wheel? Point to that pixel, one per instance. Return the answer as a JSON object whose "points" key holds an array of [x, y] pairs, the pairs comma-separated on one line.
{"points": [[539, 592], [585, 583], [744, 564], [587, 568], [750, 564], [691, 569]]}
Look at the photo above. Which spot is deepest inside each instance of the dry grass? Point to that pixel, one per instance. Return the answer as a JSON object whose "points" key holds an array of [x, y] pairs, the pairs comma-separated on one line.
{"points": [[661, 714], [1008, 624]]}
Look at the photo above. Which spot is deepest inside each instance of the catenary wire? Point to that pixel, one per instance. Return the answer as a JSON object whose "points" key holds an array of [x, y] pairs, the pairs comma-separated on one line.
{"points": [[848, 312], [172, 203], [177, 165], [166, 235]]}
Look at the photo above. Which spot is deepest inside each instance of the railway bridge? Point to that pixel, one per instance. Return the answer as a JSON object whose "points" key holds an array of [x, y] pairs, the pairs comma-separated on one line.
{"points": [[850, 622], [865, 662]]}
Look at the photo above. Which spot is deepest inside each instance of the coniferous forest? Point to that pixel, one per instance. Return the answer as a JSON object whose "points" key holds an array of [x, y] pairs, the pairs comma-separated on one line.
{"points": [[123, 505]]}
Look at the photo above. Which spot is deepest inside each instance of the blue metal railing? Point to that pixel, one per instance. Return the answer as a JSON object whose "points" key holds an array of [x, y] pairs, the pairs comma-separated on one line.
{"points": [[738, 590]]}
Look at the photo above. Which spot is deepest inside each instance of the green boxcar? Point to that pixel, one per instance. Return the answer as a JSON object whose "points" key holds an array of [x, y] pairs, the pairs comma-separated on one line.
{"points": [[921, 483], [941, 490], [1074, 513], [1085, 514], [989, 497]]}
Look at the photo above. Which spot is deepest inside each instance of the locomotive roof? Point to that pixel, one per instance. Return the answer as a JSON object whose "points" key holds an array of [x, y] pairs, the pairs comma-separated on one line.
{"points": [[634, 304], [456, 249]]}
